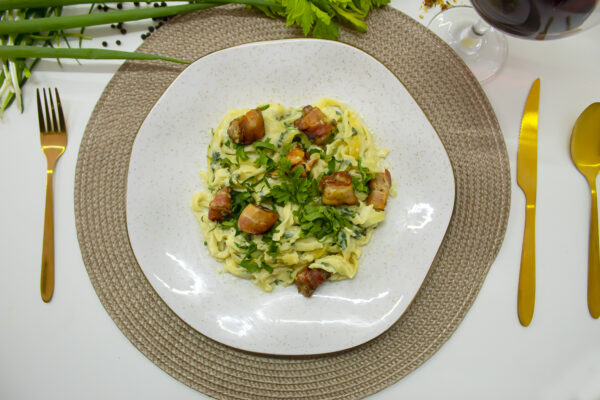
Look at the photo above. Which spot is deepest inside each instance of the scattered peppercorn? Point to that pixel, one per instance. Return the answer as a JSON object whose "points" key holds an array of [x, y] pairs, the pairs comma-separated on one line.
{"points": [[163, 4], [100, 7], [119, 25], [120, 6], [136, 3], [113, 26], [104, 44], [156, 5], [118, 42], [151, 28], [123, 31], [143, 36]]}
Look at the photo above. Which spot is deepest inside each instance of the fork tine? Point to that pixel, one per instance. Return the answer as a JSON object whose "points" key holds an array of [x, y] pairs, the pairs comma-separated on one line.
{"points": [[48, 119], [61, 116], [40, 112], [53, 113]]}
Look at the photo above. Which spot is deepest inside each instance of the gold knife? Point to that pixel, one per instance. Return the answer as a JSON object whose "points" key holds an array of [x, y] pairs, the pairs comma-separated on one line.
{"points": [[527, 181]]}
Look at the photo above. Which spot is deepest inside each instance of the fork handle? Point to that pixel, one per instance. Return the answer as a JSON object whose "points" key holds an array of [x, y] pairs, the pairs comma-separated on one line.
{"points": [[526, 292], [593, 264], [47, 279]]}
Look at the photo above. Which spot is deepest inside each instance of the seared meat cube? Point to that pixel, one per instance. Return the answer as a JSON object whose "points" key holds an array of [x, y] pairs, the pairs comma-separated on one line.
{"points": [[379, 190], [336, 189], [248, 128], [220, 206], [297, 156], [256, 220], [315, 125], [308, 280]]}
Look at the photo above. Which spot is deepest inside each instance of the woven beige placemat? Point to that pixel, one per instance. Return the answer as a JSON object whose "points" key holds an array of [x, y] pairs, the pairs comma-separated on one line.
{"points": [[457, 108]]}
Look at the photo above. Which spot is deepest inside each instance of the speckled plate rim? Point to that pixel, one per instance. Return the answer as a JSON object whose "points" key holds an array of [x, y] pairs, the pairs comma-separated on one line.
{"points": [[235, 312]]}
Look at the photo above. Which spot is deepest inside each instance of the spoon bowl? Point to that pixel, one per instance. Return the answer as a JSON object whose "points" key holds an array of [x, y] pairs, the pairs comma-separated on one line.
{"points": [[585, 153]]}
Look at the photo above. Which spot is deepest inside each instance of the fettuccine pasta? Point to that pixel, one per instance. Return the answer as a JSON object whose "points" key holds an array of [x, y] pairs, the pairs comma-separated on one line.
{"points": [[282, 178]]}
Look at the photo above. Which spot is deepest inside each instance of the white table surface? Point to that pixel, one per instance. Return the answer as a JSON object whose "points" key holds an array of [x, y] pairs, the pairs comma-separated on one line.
{"points": [[70, 348]]}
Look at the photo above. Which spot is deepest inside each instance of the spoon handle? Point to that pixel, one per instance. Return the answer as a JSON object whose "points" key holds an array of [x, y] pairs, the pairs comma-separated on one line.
{"points": [[526, 292], [593, 262]]}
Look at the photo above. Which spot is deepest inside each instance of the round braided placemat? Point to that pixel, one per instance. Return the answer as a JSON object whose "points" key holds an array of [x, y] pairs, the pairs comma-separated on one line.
{"points": [[458, 110]]}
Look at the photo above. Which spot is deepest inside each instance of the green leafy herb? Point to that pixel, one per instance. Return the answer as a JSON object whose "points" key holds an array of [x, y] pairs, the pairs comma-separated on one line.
{"points": [[331, 166], [319, 17], [264, 145], [263, 108], [240, 153], [225, 162], [294, 188], [325, 221], [249, 262], [361, 183], [266, 267]]}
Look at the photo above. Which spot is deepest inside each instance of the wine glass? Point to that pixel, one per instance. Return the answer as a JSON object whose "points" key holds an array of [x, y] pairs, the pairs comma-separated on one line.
{"points": [[474, 32]]}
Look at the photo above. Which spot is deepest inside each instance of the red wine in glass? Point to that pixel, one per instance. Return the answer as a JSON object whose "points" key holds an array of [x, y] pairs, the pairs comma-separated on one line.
{"points": [[535, 19]]}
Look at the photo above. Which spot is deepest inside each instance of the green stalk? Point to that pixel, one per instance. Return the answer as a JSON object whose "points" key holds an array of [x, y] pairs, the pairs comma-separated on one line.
{"points": [[78, 21], [23, 4], [12, 52], [359, 24]]}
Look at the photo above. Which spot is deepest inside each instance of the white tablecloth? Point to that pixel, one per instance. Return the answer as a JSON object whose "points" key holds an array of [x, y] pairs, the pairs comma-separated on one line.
{"points": [[70, 348]]}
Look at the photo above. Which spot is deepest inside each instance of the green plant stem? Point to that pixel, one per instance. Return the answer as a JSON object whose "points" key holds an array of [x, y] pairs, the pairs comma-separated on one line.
{"points": [[23, 4], [78, 21], [14, 52]]}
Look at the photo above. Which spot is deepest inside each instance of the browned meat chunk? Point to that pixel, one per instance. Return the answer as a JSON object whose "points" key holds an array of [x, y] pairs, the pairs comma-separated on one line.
{"points": [[220, 206], [315, 124], [336, 189], [308, 280], [380, 190], [297, 156], [256, 220], [248, 128]]}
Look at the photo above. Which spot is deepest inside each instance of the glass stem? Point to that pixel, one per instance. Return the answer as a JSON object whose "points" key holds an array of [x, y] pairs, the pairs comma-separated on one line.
{"points": [[480, 28]]}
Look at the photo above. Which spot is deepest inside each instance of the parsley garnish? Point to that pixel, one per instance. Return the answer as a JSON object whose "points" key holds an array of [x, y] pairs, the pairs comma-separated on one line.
{"points": [[294, 188], [240, 153], [264, 145], [325, 221], [361, 183], [249, 262]]}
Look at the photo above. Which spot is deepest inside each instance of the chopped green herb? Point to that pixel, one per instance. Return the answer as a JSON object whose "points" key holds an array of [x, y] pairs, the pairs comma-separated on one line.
{"points": [[266, 267], [264, 145], [361, 183], [331, 166], [294, 188], [263, 108], [240, 153], [216, 156], [324, 221], [225, 162]]}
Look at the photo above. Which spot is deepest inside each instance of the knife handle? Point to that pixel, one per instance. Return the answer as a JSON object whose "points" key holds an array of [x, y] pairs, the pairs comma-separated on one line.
{"points": [[593, 265], [526, 294]]}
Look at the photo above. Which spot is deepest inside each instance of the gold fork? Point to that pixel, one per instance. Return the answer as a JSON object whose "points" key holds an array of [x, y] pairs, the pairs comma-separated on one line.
{"points": [[53, 137]]}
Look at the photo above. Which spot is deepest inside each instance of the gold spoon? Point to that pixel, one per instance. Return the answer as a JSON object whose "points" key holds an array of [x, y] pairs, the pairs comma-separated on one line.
{"points": [[585, 152]]}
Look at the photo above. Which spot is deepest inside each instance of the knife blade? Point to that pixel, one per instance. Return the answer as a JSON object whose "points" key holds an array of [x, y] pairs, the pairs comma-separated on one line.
{"points": [[527, 181]]}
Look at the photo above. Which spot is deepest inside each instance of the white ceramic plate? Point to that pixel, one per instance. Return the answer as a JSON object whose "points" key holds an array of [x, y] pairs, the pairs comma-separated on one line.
{"points": [[170, 151]]}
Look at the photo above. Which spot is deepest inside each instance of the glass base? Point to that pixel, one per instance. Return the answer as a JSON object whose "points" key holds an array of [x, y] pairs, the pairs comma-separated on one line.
{"points": [[483, 52]]}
